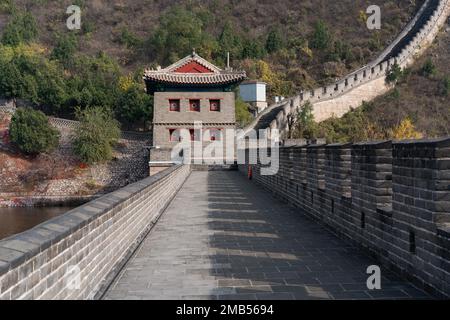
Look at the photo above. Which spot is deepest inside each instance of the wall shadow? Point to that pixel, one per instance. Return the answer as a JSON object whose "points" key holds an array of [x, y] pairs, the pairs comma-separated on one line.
{"points": [[261, 248]]}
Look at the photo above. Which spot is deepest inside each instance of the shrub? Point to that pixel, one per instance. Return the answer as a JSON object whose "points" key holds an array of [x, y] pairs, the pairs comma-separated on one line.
{"points": [[129, 39], [27, 74], [21, 28], [428, 68], [305, 126], [66, 45], [445, 86], [405, 130], [243, 116], [95, 136], [395, 74], [321, 37], [274, 40], [31, 132], [180, 30], [134, 105]]}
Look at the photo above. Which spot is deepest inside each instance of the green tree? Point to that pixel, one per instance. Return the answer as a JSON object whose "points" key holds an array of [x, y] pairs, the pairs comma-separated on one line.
{"points": [[243, 116], [31, 132], [253, 49], [395, 74], [429, 68], [129, 39], [34, 78], [65, 48], [95, 81], [179, 32], [134, 105], [96, 135], [341, 52], [274, 40], [305, 126], [321, 37], [445, 86], [21, 28], [11, 81], [229, 41]]}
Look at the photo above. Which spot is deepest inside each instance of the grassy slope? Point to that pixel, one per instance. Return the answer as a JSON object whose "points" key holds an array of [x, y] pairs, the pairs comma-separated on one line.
{"points": [[253, 17], [420, 97]]}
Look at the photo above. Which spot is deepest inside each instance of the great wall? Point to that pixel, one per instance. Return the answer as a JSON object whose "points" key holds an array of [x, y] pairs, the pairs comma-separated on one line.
{"points": [[366, 83], [390, 199]]}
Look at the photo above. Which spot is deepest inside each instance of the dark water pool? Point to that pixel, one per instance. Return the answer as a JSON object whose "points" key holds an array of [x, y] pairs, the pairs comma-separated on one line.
{"points": [[17, 220]]}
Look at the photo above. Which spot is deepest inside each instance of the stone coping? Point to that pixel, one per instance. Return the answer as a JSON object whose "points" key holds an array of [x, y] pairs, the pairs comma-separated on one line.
{"points": [[442, 142], [17, 249], [436, 142]]}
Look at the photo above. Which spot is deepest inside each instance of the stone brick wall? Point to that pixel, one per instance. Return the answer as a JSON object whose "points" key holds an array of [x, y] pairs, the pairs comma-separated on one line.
{"points": [[185, 119], [95, 239], [164, 116], [368, 82], [391, 198]]}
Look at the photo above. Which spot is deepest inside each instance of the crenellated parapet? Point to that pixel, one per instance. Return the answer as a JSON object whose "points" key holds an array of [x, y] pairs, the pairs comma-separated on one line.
{"points": [[391, 198], [76, 255], [368, 82]]}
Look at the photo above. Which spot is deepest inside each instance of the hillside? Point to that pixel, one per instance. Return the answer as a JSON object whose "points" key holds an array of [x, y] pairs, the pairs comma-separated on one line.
{"points": [[423, 96], [130, 31], [418, 106]]}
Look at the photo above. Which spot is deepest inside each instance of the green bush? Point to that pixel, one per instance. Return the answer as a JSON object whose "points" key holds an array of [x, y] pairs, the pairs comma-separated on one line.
{"points": [[21, 28], [180, 31], [129, 39], [229, 41], [134, 105], [445, 86], [96, 135], [274, 40], [428, 69], [253, 49], [65, 48], [321, 37], [394, 75], [243, 116], [31, 132], [305, 126]]}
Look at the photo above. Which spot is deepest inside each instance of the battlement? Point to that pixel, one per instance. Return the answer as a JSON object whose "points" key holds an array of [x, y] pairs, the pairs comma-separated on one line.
{"points": [[368, 82], [392, 198]]}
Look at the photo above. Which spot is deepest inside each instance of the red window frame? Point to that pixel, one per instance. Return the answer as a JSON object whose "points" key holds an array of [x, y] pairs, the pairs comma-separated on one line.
{"points": [[177, 102], [212, 102], [191, 105]]}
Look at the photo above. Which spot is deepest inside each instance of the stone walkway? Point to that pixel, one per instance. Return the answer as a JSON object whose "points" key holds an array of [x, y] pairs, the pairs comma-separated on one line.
{"points": [[223, 237]]}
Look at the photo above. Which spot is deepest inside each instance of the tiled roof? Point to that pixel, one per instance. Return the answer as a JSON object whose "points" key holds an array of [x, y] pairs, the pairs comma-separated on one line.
{"points": [[216, 76], [189, 78]]}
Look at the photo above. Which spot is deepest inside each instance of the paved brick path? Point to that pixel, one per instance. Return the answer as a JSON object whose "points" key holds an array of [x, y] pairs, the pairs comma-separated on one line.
{"points": [[225, 238]]}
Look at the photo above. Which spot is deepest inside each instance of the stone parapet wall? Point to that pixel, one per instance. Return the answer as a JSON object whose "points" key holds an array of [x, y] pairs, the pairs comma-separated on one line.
{"points": [[391, 198], [368, 82], [94, 239]]}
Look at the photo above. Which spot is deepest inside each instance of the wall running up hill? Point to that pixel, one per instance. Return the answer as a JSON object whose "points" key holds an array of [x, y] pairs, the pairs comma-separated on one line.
{"points": [[366, 83]]}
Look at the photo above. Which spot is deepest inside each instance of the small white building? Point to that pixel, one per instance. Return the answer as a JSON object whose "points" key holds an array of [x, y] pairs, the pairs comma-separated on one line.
{"points": [[254, 93]]}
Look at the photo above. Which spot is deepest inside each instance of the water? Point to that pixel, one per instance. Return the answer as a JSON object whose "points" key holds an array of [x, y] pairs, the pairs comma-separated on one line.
{"points": [[17, 220]]}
